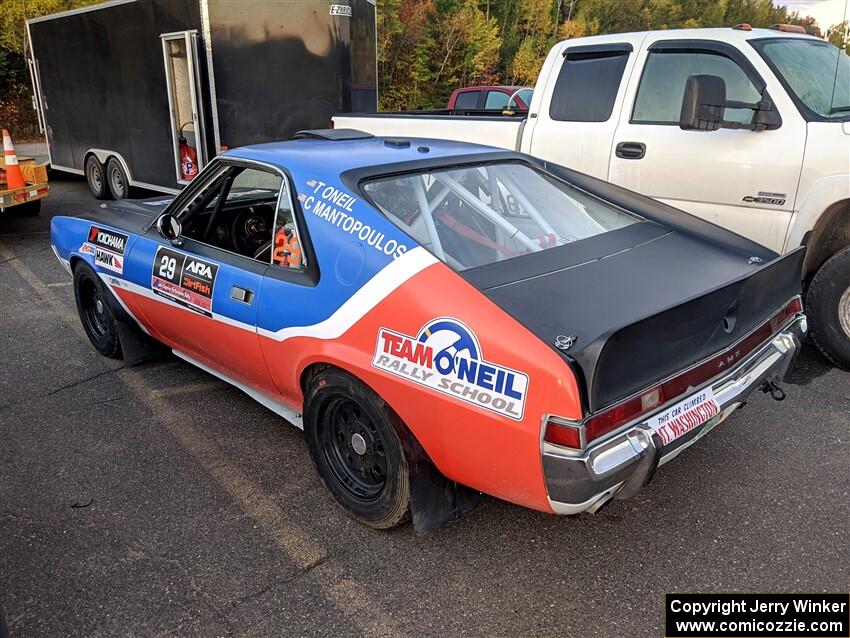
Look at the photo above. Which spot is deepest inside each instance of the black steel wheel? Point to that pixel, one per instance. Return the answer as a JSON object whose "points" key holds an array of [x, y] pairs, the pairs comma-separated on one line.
{"points": [[356, 449], [96, 314], [117, 180], [96, 178]]}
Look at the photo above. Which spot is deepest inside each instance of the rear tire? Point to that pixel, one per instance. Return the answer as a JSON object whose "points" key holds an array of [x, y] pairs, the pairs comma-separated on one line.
{"points": [[96, 178], [116, 178], [96, 315], [356, 450], [828, 308]]}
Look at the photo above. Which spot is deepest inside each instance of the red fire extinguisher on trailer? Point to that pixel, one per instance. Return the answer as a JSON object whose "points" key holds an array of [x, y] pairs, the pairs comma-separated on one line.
{"points": [[188, 158]]}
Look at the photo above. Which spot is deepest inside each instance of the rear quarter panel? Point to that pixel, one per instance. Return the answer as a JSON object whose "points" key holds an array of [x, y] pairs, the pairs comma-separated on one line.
{"points": [[475, 446]]}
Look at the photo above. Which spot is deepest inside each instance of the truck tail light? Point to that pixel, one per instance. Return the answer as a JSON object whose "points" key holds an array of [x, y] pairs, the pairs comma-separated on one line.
{"points": [[576, 435]]}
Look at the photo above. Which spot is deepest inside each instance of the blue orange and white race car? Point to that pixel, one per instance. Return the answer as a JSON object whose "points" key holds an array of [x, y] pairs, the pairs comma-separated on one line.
{"points": [[444, 319]]}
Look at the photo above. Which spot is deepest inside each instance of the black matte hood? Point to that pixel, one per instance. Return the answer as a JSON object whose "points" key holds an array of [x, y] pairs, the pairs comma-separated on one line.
{"points": [[129, 214], [643, 302]]}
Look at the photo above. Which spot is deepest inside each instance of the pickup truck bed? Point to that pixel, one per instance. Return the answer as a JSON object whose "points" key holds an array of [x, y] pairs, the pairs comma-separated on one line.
{"points": [[502, 131]]}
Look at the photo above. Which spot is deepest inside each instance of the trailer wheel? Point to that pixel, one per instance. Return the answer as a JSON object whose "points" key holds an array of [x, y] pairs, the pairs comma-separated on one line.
{"points": [[356, 449], [116, 178], [828, 308], [96, 178]]}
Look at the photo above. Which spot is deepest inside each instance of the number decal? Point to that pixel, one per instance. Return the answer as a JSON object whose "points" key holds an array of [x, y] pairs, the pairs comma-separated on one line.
{"points": [[167, 265]]}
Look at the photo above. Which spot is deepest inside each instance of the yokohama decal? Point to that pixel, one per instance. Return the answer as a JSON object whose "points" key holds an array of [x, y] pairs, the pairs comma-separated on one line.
{"points": [[107, 247], [445, 356], [184, 279]]}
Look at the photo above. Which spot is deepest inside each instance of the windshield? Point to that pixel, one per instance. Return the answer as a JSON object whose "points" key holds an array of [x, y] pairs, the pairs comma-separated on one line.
{"points": [[477, 215], [817, 72]]}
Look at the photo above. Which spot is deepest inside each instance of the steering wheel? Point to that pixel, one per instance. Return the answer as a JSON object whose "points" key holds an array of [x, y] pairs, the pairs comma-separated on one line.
{"points": [[251, 229]]}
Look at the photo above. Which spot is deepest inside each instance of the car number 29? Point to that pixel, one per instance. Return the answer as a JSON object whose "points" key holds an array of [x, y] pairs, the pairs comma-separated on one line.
{"points": [[167, 265]]}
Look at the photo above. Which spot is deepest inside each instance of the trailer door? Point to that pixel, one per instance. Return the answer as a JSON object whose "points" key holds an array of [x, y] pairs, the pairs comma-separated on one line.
{"points": [[180, 52]]}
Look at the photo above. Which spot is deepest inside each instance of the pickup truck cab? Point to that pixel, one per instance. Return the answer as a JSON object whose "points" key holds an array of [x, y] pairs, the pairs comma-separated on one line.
{"points": [[772, 164]]}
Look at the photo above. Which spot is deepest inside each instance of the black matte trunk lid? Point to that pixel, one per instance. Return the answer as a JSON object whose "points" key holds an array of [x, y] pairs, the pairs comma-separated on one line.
{"points": [[643, 302]]}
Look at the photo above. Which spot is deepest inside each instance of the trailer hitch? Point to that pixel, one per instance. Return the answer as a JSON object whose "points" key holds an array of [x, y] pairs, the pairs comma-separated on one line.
{"points": [[772, 387]]}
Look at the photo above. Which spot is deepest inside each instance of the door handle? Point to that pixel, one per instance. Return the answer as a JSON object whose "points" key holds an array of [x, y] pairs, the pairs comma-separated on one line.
{"points": [[237, 293], [631, 150]]}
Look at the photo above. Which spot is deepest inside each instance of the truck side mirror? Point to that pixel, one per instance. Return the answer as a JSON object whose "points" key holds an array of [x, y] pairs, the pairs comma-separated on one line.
{"points": [[703, 103]]}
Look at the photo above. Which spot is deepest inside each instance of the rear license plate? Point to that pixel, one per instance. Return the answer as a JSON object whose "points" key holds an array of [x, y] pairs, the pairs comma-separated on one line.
{"points": [[683, 417]]}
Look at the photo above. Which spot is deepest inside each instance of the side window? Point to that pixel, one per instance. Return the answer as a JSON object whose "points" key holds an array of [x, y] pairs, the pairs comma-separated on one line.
{"points": [[245, 210], [662, 87], [587, 86], [467, 100], [286, 248], [496, 100]]}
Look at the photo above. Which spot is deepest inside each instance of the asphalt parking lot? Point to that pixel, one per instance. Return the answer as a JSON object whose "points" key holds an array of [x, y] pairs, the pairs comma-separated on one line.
{"points": [[157, 500]]}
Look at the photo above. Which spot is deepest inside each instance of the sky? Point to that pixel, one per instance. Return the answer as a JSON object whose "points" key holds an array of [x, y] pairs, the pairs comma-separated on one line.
{"points": [[826, 12]]}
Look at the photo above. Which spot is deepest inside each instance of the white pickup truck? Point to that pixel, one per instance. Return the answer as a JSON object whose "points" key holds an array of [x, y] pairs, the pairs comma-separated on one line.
{"points": [[747, 128]]}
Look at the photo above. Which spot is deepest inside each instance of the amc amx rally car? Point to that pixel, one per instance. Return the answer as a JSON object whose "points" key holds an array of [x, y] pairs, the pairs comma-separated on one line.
{"points": [[444, 319]]}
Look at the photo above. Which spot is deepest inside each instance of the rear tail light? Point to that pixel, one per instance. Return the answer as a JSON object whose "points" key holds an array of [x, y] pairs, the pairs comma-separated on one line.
{"points": [[564, 432], [576, 435]]}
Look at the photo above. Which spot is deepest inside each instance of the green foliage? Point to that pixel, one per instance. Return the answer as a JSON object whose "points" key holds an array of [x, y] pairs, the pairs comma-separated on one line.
{"points": [[428, 48], [839, 35]]}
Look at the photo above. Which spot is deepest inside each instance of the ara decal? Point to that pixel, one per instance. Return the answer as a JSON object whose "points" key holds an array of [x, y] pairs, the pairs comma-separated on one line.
{"points": [[446, 356], [184, 279]]}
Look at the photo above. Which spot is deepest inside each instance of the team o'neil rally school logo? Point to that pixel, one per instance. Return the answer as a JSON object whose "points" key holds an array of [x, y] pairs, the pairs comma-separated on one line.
{"points": [[447, 357]]}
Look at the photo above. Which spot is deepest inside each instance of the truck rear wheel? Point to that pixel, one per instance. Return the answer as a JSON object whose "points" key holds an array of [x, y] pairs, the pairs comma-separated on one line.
{"points": [[96, 178], [356, 449], [828, 308]]}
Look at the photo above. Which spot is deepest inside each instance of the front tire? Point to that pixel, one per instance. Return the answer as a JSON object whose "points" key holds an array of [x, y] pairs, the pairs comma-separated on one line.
{"points": [[356, 450], [96, 178], [828, 308], [96, 315]]}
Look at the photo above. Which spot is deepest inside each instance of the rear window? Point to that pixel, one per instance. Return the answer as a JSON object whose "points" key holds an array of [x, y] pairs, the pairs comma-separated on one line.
{"points": [[467, 100], [496, 100], [587, 86], [480, 214]]}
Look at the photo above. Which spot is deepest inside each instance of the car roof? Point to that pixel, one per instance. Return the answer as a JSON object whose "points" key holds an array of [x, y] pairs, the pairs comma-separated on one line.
{"points": [[714, 33], [493, 87], [351, 154]]}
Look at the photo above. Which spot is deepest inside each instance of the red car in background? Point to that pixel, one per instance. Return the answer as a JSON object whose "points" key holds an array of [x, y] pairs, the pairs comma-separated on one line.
{"points": [[491, 97]]}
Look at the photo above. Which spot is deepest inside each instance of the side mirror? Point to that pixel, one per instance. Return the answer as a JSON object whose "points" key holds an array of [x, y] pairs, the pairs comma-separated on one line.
{"points": [[168, 226], [703, 103]]}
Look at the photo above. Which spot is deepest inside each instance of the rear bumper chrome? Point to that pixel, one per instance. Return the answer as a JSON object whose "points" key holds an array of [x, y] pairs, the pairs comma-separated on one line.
{"points": [[619, 465]]}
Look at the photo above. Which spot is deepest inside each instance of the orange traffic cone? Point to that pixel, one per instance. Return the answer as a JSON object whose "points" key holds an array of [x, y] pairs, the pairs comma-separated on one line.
{"points": [[14, 177]]}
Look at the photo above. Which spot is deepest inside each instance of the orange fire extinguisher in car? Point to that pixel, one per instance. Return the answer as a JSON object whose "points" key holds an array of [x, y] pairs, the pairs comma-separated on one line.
{"points": [[188, 158]]}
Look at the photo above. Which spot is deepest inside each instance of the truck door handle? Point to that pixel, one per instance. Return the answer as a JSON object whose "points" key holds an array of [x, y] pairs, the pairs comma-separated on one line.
{"points": [[237, 293], [631, 150]]}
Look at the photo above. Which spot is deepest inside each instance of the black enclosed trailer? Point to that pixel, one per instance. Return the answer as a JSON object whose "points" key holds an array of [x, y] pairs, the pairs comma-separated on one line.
{"points": [[145, 92]]}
